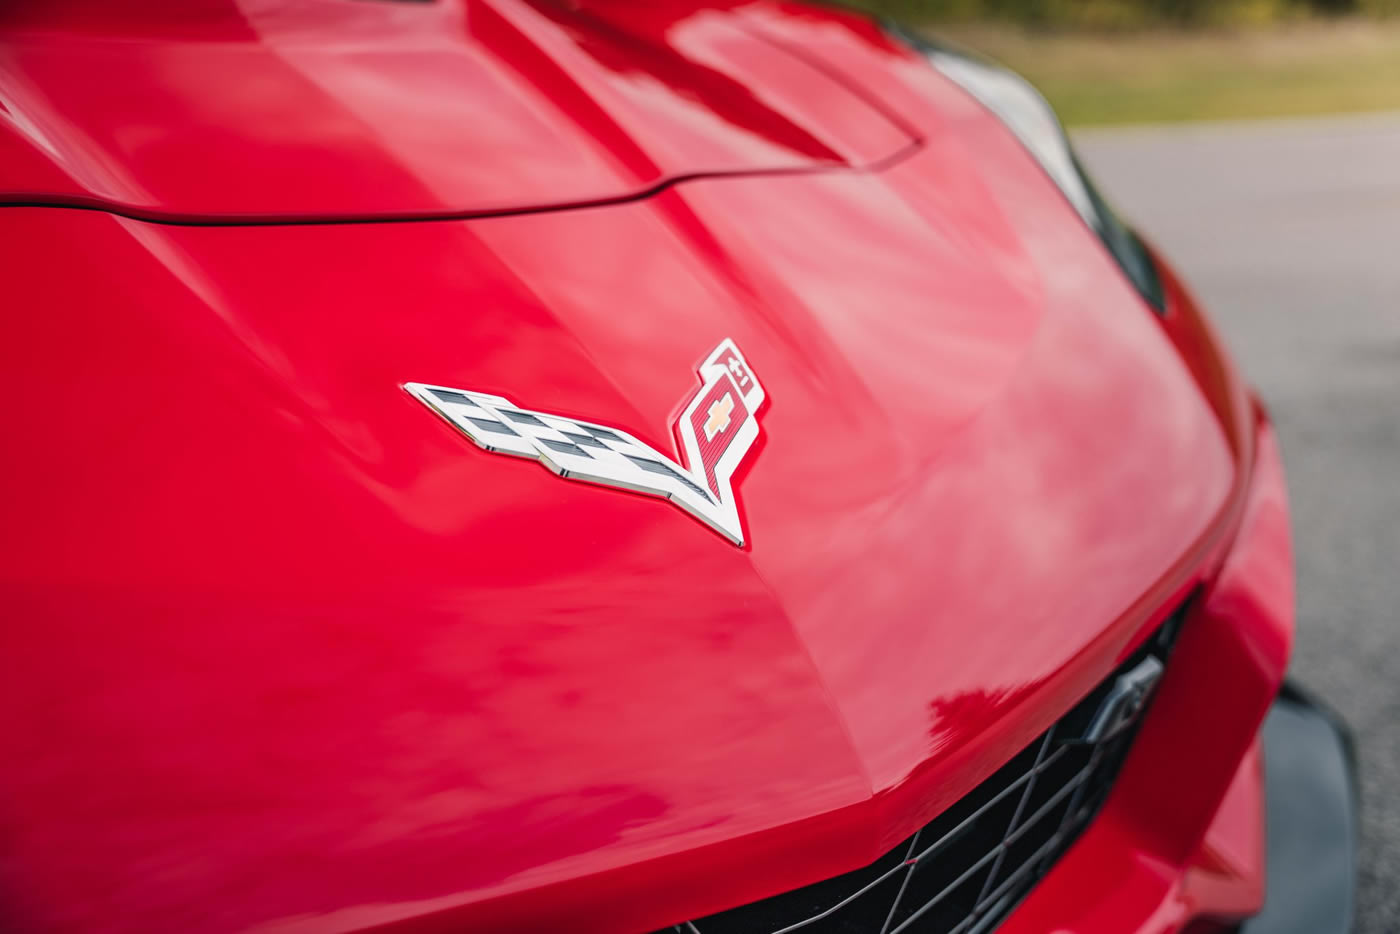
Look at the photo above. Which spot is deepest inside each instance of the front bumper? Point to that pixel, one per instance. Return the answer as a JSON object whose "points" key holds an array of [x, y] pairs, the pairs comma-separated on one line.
{"points": [[1311, 794], [1181, 844], [1299, 776]]}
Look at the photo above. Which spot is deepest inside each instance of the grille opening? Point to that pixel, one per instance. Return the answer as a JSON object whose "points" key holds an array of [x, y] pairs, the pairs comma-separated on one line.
{"points": [[965, 871], [773, 914]]}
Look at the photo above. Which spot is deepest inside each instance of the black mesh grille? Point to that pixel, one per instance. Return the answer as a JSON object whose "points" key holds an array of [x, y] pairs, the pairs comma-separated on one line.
{"points": [[964, 872]]}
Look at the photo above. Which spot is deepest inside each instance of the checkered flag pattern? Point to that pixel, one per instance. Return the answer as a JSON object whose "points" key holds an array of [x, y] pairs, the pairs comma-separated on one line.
{"points": [[572, 449]]}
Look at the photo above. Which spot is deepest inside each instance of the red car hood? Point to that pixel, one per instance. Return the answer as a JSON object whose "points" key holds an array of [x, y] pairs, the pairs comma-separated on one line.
{"points": [[336, 108], [290, 652]]}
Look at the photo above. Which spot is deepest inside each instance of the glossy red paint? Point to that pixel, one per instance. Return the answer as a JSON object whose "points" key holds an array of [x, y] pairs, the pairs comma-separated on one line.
{"points": [[289, 654], [334, 108], [1182, 835]]}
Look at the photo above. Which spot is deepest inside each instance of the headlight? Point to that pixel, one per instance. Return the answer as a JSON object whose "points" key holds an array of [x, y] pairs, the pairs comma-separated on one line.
{"points": [[1026, 113]]}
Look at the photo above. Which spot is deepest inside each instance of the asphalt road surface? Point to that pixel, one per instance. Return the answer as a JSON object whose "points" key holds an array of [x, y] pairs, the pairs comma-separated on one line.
{"points": [[1289, 232]]}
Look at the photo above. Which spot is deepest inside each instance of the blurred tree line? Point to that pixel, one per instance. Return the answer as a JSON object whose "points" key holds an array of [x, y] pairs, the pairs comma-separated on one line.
{"points": [[1127, 13]]}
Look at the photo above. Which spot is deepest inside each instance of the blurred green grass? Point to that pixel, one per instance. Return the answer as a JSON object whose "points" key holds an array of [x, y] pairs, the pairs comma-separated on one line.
{"points": [[1155, 61], [1307, 67], [1126, 14]]}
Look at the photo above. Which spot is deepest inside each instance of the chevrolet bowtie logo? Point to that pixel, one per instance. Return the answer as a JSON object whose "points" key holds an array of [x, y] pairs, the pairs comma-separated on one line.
{"points": [[718, 419]]}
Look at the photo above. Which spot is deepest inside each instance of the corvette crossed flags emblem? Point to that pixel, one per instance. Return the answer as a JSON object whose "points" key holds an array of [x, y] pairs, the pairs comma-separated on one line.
{"points": [[716, 430]]}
